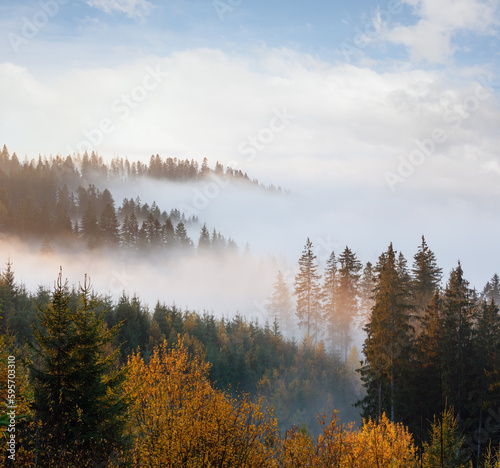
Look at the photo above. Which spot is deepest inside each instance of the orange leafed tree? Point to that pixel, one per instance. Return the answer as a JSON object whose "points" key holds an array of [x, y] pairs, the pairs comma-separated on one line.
{"points": [[179, 419]]}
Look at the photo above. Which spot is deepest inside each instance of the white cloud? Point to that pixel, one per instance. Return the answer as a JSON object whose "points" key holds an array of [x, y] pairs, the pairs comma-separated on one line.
{"points": [[431, 38], [207, 103], [352, 125], [131, 8]]}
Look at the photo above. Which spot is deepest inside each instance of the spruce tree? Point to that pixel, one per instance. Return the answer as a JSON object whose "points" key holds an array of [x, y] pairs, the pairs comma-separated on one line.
{"points": [[486, 392], [347, 298], [426, 276], [428, 396], [204, 242], [491, 291], [329, 298], [130, 231], [90, 228], [388, 339], [458, 321], [307, 290], [77, 388], [168, 232], [182, 238], [445, 447], [280, 306], [109, 226], [366, 285]]}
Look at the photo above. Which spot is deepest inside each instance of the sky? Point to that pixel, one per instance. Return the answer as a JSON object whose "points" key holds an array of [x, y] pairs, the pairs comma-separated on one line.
{"points": [[380, 118]]}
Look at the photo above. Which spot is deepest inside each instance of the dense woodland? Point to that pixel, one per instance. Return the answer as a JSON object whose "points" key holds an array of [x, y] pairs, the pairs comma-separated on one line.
{"points": [[65, 201], [104, 382]]}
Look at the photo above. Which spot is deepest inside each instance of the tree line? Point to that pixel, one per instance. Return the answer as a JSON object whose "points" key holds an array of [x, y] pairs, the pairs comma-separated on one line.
{"points": [[57, 201], [79, 404], [428, 349]]}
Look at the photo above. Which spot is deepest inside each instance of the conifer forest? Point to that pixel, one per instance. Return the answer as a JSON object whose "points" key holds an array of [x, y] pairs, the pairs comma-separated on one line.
{"points": [[356, 364], [249, 234]]}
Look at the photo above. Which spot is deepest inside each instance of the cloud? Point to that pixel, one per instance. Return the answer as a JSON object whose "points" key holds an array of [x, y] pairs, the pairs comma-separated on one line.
{"points": [[349, 121], [432, 37], [351, 126], [135, 9]]}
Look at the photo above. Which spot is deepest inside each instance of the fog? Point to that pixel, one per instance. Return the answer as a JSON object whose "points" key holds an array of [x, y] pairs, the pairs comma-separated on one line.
{"points": [[275, 225], [334, 212]]}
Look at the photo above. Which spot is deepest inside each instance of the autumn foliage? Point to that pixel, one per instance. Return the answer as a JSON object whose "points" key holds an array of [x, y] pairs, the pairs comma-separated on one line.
{"points": [[178, 419]]}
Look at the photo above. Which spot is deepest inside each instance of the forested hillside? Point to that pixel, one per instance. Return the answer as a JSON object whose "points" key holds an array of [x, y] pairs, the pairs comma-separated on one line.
{"points": [[96, 380], [250, 396], [65, 200]]}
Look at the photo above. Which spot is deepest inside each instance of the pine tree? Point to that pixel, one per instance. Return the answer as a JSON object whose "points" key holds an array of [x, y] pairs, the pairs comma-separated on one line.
{"points": [[329, 299], [307, 291], [204, 242], [491, 291], [427, 371], [109, 226], [366, 285], [280, 306], [183, 240], [426, 276], [445, 447], [130, 231], [168, 233], [347, 298], [8, 294], [457, 353], [487, 366], [77, 391], [90, 228], [388, 338]]}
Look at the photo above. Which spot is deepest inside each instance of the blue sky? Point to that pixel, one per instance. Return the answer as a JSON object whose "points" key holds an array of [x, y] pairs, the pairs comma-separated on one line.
{"points": [[383, 115], [332, 31]]}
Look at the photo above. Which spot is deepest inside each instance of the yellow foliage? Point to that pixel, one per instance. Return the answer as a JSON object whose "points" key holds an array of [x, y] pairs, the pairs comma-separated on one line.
{"points": [[383, 445], [179, 419]]}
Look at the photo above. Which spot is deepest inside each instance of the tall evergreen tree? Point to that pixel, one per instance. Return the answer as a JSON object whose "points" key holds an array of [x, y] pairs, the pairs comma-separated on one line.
{"points": [[457, 353], [426, 389], [280, 306], [426, 276], [77, 391], [109, 226], [491, 291], [204, 242], [366, 285], [182, 238], [486, 392], [307, 290], [388, 339], [168, 232], [329, 299], [89, 227], [347, 298]]}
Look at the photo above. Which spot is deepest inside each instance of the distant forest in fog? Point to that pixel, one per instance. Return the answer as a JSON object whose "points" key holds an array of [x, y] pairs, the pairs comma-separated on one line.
{"points": [[426, 379], [66, 199]]}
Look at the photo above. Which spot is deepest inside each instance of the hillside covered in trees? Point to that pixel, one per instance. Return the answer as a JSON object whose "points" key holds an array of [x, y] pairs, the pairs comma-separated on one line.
{"points": [[65, 201], [183, 389]]}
